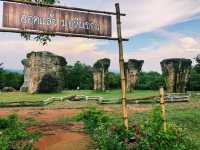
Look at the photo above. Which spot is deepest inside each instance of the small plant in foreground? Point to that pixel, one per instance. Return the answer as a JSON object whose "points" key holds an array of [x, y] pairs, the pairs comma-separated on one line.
{"points": [[110, 134], [13, 135]]}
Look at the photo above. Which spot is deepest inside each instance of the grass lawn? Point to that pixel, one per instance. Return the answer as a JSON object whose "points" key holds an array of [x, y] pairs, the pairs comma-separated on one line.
{"points": [[19, 96]]}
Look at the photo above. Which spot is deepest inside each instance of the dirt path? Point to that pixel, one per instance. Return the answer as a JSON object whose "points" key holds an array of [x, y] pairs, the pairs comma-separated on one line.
{"points": [[55, 136]]}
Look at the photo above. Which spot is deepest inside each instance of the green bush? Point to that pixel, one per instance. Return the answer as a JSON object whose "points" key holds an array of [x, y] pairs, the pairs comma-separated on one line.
{"points": [[13, 135], [10, 79], [110, 134], [150, 81]]}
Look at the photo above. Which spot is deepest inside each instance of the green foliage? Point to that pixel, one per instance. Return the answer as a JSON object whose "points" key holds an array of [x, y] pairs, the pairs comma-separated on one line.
{"points": [[153, 136], [10, 79], [109, 133], [112, 80], [197, 67], [194, 84], [150, 81], [48, 84], [13, 135], [79, 75]]}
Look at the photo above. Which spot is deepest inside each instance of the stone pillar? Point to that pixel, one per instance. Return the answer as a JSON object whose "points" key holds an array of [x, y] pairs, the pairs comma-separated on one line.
{"points": [[132, 70], [177, 73], [100, 68], [43, 65]]}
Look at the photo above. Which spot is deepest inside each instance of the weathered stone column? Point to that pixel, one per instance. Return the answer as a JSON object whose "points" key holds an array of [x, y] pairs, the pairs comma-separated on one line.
{"points": [[40, 66], [132, 70], [176, 72], [100, 68]]}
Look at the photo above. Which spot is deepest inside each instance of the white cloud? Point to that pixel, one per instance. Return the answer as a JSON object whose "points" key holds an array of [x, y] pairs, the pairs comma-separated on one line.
{"points": [[190, 44], [145, 15], [179, 47]]}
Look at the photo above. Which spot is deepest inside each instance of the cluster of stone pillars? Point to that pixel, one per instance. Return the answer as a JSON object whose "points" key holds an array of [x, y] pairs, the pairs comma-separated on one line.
{"points": [[176, 72], [132, 70]]}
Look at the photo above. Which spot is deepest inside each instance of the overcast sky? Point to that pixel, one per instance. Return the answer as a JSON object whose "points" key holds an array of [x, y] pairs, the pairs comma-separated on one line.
{"points": [[157, 29]]}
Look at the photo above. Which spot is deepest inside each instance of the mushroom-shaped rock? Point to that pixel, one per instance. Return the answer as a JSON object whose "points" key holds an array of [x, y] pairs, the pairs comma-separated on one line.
{"points": [[132, 70], [100, 68], [40, 66], [177, 73]]}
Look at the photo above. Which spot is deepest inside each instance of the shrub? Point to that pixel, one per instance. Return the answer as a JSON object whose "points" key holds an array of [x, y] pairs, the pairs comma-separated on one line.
{"points": [[49, 83], [109, 133], [13, 135]]}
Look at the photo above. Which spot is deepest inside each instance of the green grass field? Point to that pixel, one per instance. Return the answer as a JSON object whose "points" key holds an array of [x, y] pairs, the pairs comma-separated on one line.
{"points": [[186, 115], [19, 96]]}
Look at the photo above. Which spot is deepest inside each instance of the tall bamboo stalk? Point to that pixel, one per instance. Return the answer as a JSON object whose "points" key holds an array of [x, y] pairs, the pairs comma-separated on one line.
{"points": [[162, 108], [122, 69]]}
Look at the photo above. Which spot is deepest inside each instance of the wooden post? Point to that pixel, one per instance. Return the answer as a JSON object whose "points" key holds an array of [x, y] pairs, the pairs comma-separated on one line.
{"points": [[162, 108], [121, 63]]}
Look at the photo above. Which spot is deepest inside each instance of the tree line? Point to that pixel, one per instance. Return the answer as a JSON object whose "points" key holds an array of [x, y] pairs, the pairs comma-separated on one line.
{"points": [[80, 75], [10, 79]]}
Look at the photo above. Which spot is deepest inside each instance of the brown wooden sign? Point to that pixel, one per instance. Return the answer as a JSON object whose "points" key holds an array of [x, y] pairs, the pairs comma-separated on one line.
{"points": [[29, 17]]}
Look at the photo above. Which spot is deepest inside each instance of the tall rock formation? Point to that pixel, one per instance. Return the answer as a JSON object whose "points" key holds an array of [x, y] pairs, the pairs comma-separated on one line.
{"points": [[132, 70], [43, 72], [100, 68], [177, 73]]}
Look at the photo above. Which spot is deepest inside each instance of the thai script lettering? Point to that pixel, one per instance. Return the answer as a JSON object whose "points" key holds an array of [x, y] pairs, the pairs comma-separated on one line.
{"points": [[74, 23], [39, 20]]}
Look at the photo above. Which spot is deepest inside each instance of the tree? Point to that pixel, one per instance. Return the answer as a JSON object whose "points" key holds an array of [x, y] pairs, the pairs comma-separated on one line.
{"points": [[79, 75], [150, 81], [194, 84], [112, 80], [10, 79]]}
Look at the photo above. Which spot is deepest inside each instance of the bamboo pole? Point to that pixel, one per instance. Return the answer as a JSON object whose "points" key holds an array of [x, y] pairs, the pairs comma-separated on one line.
{"points": [[162, 108], [122, 70]]}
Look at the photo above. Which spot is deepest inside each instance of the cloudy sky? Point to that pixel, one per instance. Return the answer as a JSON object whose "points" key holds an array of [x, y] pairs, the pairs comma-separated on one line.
{"points": [[157, 29]]}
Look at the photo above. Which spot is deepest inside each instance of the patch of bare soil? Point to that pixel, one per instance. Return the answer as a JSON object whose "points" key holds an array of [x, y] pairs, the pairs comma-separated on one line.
{"points": [[40, 114], [54, 136], [62, 137]]}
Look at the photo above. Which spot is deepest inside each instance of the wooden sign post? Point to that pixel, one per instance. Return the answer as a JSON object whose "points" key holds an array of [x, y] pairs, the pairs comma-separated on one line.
{"points": [[122, 70], [162, 108], [44, 19]]}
